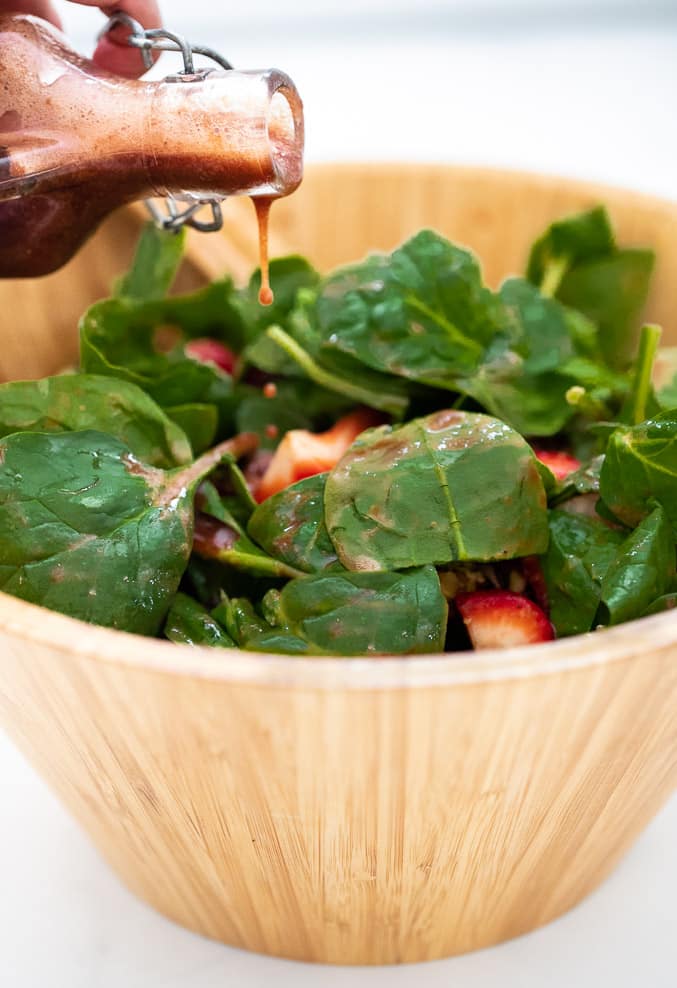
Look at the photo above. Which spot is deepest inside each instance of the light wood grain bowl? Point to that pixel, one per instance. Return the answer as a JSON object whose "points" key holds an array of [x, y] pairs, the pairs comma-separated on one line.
{"points": [[350, 811]]}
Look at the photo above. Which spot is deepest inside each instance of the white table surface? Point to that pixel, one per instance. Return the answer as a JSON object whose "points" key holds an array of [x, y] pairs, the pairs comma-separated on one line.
{"points": [[594, 99]]}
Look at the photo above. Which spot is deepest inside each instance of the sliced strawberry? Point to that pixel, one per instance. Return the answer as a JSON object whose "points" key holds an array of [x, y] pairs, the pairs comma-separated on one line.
{"points": [[303, 454], [561, 464], [502, 619], [208, 351]]}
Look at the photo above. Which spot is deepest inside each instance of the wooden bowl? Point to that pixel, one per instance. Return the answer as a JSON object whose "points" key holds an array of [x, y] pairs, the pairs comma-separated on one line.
{"points": [[351, 811]]}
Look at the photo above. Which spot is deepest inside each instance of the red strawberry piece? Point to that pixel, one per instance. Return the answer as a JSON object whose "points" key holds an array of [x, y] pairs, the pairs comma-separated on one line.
{"points": [[303, 454], [208, 351], [502, 619], [561, 464]]}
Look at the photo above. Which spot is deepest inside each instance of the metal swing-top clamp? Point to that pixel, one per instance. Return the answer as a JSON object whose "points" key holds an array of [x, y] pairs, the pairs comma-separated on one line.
{"points": [[158, 39]]}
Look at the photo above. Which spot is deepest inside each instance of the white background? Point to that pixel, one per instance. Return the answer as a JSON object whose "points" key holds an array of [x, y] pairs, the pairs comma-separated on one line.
{"points": [[579, 88]]}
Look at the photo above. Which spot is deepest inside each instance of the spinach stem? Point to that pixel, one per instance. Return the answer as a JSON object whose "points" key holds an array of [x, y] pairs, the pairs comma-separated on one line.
{"points": [[648, 344], [394, 404], [554, 272]]}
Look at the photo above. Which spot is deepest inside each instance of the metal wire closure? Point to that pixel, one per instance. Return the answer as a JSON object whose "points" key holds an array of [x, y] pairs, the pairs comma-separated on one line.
{"points": [[158, 39]]}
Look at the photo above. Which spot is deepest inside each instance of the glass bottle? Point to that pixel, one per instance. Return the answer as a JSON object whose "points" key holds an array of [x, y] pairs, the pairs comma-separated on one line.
{"points": [[76, 142]]}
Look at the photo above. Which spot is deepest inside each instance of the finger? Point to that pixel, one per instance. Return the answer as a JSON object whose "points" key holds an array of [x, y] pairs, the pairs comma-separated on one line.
{"points": [[113, 53], [40, 8]]}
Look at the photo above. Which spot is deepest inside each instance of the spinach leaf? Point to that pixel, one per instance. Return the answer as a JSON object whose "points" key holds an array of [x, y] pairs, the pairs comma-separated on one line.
{"points": [[640, 467], [89, 530], [666, 603], [585, 480], [642, 571], [451, 486], [230, 546], [522, 377], [144, 342], [612, 291], [252, 632], [579, 554], [340, 613], [290, 526], [342, 375], [75, 402], [568, 242], [189, 623], [296, 404], [199, 422], [577, 261], [421, 313], [288, 275], [156, 261]]}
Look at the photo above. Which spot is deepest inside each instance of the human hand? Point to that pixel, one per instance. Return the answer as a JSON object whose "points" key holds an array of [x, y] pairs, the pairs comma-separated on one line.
{"points": [[111, 53]]}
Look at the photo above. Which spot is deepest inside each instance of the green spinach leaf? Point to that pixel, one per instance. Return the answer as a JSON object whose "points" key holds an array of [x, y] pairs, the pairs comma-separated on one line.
{"points": [[641, 467], [156, 261], [252, 632], [76, 402], [577, 261], [199, 422], [290, 526], [189, 623], [421, 313], [567, 243], [579, 554], [340, 613], [89, 530], [451, 486], [642, 571], [230, 546]]}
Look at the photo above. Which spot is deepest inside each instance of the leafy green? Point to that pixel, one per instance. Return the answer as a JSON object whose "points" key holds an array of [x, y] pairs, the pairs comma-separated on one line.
{"points": [[157, 258], [579, 554], [76, 402], [360, 385], [89, 530], [231, 547], [296, 404], [642, 571], [640, 467], [340, 613], [612, 292], [523, 377], [290, 526], [252, 632], [288, 275], [143, 342], [569, 242], [421, 313], [585, 480], [451, 486], [199, 422], [666, 603], [577, 261], [189, 623]]}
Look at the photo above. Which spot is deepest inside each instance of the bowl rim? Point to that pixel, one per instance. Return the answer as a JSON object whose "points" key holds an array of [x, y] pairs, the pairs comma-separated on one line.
{"points": [[75, 639], [36, 625]]}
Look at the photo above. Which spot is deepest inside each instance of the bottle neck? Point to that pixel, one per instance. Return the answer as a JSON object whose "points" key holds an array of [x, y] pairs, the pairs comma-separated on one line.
{"points": [[229, 133], [226, 133]]}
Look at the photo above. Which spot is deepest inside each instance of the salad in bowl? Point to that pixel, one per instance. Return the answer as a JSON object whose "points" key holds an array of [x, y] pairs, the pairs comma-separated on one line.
{"points": [[391, 459]]}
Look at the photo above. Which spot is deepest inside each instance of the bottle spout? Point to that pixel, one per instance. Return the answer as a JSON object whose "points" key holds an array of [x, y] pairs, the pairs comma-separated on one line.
{"points": [[285, 133]]}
